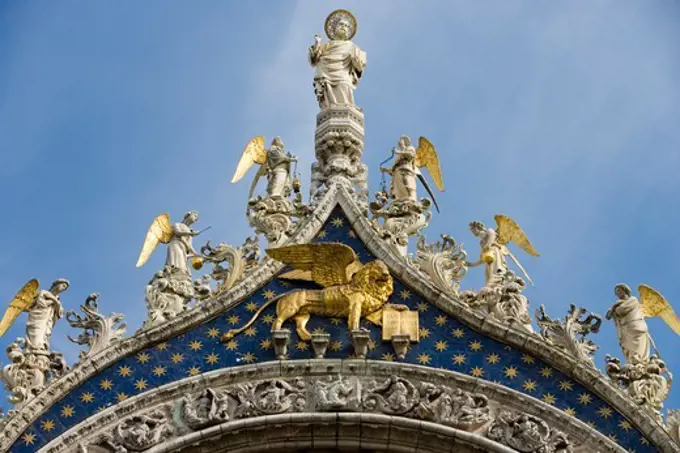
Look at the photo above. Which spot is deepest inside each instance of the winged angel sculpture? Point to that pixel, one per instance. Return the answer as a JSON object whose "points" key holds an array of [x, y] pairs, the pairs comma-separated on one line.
{"points": [[407, 164], [170, 289], [629, 315], [32, 360], [44, 309], [404, 215], [493, 244], [272, 214], [274, 163], [350, 289]]}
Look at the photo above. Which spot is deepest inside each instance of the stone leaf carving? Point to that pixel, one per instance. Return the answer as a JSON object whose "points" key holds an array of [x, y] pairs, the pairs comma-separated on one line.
{"points": [[453, 407], [527, 434], [206, 408], [335, 394], [401, 218], [99, 331], [394, 396], [503, 300], [167, 295], [647, 382], [570, 332], [136, 433], [444, 262], [29, 371], [230, 264]]}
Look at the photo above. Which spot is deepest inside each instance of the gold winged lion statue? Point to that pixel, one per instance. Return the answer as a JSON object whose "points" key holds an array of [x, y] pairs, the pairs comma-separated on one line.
{"points": [[350, 288]]}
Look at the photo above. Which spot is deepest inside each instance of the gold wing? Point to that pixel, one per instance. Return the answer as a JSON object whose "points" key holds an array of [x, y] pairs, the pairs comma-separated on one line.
{"points": [[327, 264], [426, 156], [254, 153], [159, 231], [21, 302], [654, 304], [508, 230]]}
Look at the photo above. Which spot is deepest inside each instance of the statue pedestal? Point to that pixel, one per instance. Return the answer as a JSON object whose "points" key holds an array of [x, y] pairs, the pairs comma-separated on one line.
{"points": [[338, 145]]}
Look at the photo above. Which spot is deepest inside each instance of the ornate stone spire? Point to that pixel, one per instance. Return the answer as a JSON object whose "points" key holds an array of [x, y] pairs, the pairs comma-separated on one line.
{"points": [[339, 137]]}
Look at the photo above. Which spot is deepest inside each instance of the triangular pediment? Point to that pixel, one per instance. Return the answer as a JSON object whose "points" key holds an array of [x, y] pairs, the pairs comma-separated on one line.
{"points": [[452, 338]]}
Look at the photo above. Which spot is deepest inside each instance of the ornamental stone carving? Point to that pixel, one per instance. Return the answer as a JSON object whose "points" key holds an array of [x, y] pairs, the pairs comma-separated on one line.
{"points": [[99, 331], [452, 407], [646, 382], [394, 396], [167, 294], [503, 301], [337, 394], [204, 409], [673, 424], [570, 332], [29, 372], [230, 264], [134, 434], [445, 262], [527, 434], [401, 218]]}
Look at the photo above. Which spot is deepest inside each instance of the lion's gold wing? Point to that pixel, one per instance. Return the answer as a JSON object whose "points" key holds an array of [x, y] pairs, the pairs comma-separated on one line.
{"points": [[508, 230], [159, 231], [654, 304], [254, 153], [21, 302], [327, 264], [426, 156]]}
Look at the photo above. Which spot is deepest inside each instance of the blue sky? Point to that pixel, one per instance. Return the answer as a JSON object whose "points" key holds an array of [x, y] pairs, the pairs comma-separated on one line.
{"points": [[563, 115]]}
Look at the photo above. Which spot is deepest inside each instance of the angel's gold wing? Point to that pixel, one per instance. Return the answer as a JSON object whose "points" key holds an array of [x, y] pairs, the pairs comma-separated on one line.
{"points": [[159, 231], [21, 302], [508, 230], [426, 156], [327, 264], [654, 304], [254, 153]]}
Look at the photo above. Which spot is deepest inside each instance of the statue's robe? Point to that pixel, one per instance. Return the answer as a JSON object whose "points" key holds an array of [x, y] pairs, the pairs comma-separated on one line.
{"points": [[42, 316], [278, 179], [179, 247], [632, 329], [339, 65]]}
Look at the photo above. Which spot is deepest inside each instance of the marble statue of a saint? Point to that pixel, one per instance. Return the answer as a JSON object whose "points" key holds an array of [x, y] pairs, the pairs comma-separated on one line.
{"points": [[630, 324], [180, 246], [339, 63], [42, 316]]}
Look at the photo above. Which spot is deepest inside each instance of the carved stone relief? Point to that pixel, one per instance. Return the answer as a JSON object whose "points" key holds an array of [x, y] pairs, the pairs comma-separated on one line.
{"points": [[527, 434], [570, 333], [99, 331]]}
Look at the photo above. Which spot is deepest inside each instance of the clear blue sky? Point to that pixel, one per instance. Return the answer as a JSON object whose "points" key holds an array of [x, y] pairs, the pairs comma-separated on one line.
{"points": [[563, 115]]}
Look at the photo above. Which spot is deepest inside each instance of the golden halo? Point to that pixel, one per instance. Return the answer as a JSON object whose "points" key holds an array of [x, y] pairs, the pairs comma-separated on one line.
{"points": [[334, 17]]}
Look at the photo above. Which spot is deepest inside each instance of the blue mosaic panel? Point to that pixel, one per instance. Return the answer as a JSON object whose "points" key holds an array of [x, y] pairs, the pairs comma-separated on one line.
{"points": [[444, 343]]}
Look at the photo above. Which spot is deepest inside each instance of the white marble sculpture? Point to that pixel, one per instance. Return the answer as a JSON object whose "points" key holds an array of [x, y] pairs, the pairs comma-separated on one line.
{"points": [[339, 63], [493, 251], [631, 326]]}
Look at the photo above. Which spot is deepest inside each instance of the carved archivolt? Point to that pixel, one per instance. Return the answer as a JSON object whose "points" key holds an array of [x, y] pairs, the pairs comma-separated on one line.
{"points": [[392, 396]]}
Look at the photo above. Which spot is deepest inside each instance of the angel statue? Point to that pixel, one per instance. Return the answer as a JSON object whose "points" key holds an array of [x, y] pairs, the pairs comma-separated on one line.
{"points": [[178, 236], [350, 289], [32, 362], [629, 315], [339, 63], [407, 164], [493, 248], [44, 309], [274, 162]]}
